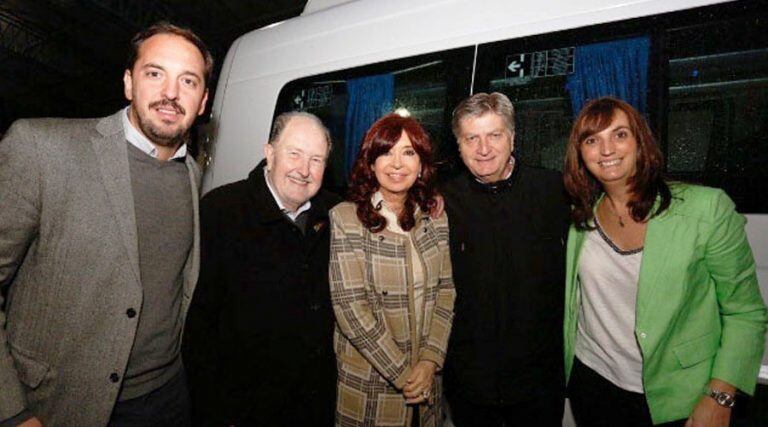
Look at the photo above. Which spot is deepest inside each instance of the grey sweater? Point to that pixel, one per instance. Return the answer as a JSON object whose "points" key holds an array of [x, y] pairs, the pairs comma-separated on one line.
{"points": [[164, 226]]}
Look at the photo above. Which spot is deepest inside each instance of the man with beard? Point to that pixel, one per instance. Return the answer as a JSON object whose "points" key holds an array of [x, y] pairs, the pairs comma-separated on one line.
{"points": [[99, 249], [258, 341], [508, 222]]}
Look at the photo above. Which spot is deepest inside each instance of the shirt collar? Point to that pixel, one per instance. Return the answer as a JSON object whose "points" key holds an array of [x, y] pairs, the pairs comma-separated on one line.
{"points": [[511, 162], [378, 202], [141, 142], [496, 187], [289, 214]]}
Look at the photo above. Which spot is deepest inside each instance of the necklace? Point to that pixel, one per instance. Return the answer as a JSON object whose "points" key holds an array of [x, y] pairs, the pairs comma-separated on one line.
{"points": [[615, 211]]}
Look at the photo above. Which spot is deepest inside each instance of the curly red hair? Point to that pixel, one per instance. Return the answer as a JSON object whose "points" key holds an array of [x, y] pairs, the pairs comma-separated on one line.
{"points": [[380, 138]]}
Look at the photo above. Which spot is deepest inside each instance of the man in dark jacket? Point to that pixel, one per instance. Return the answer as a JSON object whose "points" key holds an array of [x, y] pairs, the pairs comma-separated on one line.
{"points": [[508, 223], [258, 341]]}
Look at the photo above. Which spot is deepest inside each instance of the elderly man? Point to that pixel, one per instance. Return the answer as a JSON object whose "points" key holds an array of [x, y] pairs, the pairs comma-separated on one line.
{"points": [[508, 223], [258, 341], [98, 249]]}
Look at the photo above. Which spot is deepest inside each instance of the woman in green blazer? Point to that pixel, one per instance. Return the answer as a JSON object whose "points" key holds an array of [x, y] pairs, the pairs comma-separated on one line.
{"points": [[664, 319]]}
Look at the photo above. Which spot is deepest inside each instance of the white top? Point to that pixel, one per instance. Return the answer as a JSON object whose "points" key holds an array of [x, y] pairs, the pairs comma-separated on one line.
{"points": [[417, 273], [138, 140], [605, 340]]}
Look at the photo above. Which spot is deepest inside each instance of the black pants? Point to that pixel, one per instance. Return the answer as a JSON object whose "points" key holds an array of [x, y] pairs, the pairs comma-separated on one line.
{"points": [[167, 406], [538, 412], [596, 402]]}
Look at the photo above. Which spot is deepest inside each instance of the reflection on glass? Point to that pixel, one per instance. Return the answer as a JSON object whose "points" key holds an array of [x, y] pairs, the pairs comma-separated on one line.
{"points": [[718, 108]]}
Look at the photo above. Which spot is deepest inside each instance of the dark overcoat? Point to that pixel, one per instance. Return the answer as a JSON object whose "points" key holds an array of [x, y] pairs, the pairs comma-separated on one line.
{"points": [[258, 345], [508, 257]]}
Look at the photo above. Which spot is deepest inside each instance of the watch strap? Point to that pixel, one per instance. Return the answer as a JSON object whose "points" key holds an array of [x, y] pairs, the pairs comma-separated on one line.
{"points": [[722, 398]]}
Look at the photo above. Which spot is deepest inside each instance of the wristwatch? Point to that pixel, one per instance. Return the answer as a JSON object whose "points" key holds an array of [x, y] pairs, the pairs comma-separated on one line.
{"points": [[722, 398]]}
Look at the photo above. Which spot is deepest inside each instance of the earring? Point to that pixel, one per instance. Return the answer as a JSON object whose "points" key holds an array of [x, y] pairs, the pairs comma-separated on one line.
{"points": [[419, 176]]}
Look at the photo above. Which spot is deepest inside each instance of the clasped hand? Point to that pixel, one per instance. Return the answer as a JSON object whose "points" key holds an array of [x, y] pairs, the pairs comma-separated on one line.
{"points": [[418, 386]]}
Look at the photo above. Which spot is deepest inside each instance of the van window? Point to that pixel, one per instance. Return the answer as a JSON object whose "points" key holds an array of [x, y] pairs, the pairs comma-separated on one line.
{"points": [[533, 74], [425, 86], [718, 106], [707, 92]]}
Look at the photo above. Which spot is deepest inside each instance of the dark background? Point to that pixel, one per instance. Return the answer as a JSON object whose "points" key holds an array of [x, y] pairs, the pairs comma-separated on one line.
{"points": [[65, 58]]}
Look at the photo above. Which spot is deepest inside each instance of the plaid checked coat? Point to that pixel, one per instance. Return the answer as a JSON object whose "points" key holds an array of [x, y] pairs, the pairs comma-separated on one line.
{"points": [[376, 340]]}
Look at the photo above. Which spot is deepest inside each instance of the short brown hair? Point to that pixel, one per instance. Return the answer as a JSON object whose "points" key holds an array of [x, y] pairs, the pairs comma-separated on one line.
{"points": [[645, 185], [164, 27], [481, 103]]}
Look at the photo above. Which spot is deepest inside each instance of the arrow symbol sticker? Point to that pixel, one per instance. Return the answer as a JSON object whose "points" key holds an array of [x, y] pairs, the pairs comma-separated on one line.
{"points": [[513, 66]]}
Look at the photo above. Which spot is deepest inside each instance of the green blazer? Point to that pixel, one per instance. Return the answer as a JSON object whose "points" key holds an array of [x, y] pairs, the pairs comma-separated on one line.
{"points": [[699, 313]]}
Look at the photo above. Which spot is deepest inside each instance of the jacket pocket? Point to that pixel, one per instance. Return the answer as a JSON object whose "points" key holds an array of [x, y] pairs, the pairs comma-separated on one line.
{"points": [[697, 350], [353, 359], [31, 370]]}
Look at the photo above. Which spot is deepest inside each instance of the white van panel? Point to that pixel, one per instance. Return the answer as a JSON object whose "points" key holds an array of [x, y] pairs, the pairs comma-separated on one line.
{"points": [[369, 31], [757, 234], [379, 31], [241, 130], [314, 6], [757, 229], [362, 32]]}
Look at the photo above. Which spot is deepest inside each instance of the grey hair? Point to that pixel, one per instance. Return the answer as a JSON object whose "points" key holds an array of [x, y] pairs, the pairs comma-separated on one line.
{"points": [[282, 120], [481, 103]]}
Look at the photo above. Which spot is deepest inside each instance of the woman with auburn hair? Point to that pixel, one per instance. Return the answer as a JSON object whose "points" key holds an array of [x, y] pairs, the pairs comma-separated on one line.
{"points": [[664, 319], [391, 285]]}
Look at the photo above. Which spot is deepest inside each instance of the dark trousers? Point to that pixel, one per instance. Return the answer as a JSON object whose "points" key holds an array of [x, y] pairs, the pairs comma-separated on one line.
{"points": [[596, 402], [167, 406], [538, 412]]}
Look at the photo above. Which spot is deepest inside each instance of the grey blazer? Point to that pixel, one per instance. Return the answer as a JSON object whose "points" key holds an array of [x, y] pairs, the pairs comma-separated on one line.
{"points": [[69, 268]]}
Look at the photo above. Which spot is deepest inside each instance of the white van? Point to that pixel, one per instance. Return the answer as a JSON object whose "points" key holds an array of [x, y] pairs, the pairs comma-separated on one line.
{"points": [[706, 81]]}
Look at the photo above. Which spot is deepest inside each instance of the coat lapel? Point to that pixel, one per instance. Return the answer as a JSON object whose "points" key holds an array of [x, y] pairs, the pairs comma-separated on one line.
{"points": [[192, 267], [112, 156], [656, 256], [316, 225], [573, 253], [575, 242]]}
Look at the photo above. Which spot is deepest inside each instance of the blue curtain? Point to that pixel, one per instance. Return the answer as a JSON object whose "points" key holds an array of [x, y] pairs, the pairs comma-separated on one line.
{"points": [[618, 68], [369, 98]]}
